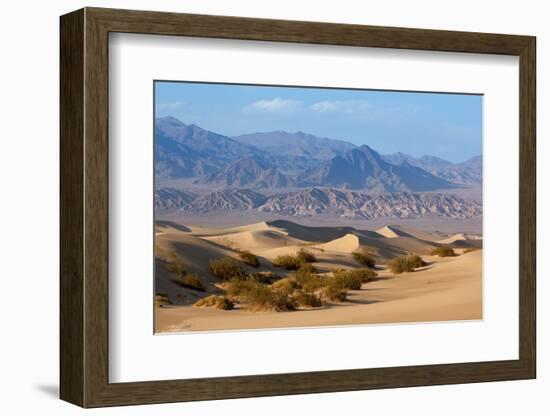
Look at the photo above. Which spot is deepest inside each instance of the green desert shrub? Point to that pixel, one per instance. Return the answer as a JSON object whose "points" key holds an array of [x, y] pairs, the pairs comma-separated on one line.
{"points": [[400, 265], [347, 280], [305, 256], [264, 299], [304, 299], [190, 280], [260, 297], [333, 290], [227, 268], [217, 301], [170, 255], [365, 275], [265, 277], [443, 251], [285, 286], [364, 257], [248, 258], [176, 266], [287, 261], [416, 261], [306, 268], [235, 287], [307, 278], [160, 253], [162, 299], [406, 264]]}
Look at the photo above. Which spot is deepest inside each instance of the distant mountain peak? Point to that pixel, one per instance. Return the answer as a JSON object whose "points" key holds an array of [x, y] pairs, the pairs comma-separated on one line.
{"points": [[363, 168], [280, 159], [465, 173], [298, 144]]}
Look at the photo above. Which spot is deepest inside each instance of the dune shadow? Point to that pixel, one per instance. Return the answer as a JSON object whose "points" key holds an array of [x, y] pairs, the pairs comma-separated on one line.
{"points": [[380, 278], [317, 308], [179, 227], [360, 302], [311, 233]]}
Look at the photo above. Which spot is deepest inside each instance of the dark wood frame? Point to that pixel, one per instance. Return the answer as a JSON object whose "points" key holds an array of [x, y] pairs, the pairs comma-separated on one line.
{"points": [[84, 207]]}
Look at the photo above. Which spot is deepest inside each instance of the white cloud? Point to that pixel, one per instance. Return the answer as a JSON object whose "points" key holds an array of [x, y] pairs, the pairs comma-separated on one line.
{"points": [[342, 106], [275, 105]]}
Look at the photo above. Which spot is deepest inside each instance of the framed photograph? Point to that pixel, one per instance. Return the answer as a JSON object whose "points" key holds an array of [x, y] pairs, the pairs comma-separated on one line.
{"points": [[255, 207]]}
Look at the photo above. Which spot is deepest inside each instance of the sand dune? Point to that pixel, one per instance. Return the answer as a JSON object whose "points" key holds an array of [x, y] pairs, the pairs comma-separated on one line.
{"points": [[211, 231], [420, 234], [462, 241], [453, 238], [347, 244], [195, 253], [447, 289], [169, 226], [391, 232], [412, 245], [255, 240], [312, 234]]}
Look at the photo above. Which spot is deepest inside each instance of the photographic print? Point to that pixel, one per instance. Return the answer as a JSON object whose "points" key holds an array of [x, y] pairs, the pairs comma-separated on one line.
{"points": [[298, 207]]}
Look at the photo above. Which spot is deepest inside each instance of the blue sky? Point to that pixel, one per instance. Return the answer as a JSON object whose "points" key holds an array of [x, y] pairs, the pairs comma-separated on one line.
{"points": [[444, 125]]}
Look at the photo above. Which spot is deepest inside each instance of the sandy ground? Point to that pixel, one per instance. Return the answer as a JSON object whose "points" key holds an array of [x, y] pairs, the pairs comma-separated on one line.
{"points": [[446, 289], [231, 218]]}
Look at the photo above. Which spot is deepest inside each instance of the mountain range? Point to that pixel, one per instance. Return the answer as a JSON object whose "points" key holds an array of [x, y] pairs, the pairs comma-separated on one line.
{"points": [[298, 174], [296, 160], [314, 201], [467, 172]]}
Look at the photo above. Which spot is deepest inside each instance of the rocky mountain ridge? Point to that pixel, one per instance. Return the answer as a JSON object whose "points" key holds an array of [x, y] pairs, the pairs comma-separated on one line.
{"points": [[313, 201]]}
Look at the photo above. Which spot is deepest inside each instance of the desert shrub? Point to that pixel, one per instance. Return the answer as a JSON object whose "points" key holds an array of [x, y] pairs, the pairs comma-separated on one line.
{"points": [[400, 265], [170, 256], [258, 296], [406, 264], [285, 286], [415, 261], [307, 278], [443, 251], [235, 287], [207, 301], [364, 258], [224, 303], [306, 299], [333, 290], [159, 252], [288, 261], [265, 277], [190, 280], [305, 256], [347, 280], [227, 268], [217, 301], [306, 268], [162, 299], [365, 275], [262, 298], [176, 266], [249, 258]]}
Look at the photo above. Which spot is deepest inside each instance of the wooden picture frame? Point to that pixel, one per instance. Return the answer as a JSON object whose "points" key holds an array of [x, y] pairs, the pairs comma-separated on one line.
{"points": [[84, 207]]}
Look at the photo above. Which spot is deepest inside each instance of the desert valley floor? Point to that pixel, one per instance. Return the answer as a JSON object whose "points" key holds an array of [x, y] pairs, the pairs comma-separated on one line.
{"points": [[447, 288]]}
